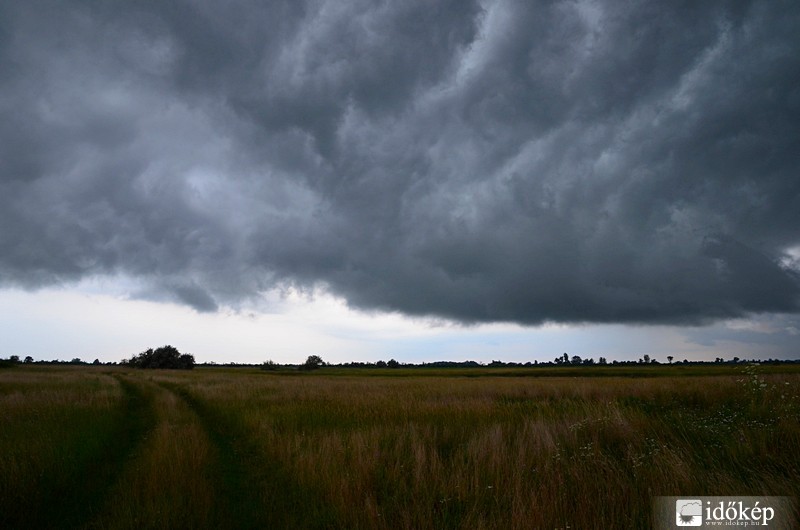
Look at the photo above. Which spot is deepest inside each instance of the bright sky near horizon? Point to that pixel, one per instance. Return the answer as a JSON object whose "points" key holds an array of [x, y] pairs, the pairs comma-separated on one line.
{"points": [[417, 180], [68, 323]]}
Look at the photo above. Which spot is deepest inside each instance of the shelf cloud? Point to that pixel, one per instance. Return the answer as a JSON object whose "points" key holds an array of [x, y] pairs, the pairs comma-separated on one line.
{"points": [[528, 162]]}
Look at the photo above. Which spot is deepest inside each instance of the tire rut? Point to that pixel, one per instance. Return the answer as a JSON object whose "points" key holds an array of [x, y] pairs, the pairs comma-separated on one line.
{"points": [[76, 506], [256, 492], [167, 482]]}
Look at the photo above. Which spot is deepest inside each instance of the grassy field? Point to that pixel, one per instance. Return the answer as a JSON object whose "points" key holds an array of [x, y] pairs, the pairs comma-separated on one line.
{"points": [[100, 447]]}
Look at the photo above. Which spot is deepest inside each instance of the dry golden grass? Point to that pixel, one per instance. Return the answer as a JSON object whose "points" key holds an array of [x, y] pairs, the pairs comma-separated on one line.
{"points": [[499, 453]]}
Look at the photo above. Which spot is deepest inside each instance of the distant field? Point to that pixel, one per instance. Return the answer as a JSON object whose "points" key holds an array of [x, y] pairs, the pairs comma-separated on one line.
{"points": [[100, 447]]}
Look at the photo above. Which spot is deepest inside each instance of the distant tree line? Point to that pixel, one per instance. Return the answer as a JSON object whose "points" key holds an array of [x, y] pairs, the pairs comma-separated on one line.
{"points": [[170, 358], [314, 362], [14, 360]]}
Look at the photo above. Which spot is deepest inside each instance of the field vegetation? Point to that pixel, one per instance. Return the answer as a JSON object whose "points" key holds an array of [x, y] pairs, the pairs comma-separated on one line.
{"points": [[113, 447]]}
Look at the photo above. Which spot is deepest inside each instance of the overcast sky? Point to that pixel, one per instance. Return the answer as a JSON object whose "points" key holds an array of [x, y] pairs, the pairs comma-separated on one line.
{"points": [[418, 179]]}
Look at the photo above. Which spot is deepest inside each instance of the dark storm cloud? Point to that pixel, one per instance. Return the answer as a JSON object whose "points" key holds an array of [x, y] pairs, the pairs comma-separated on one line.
{"points": [[514, 161]]}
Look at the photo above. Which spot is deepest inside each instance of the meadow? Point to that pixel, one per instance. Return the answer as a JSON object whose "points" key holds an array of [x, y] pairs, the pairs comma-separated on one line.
{"points": [[110, 447]]}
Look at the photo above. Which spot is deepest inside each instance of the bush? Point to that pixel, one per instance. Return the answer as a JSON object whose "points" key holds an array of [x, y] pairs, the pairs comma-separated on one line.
{"points": [[164, 357], [312, 363], [269, 365]]}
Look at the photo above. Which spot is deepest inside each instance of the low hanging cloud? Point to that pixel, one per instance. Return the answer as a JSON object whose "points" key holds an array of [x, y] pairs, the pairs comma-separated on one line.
{"points": [[591, 161]]}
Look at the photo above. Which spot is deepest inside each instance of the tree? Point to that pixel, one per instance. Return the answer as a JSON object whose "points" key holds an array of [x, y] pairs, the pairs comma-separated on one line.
{"points": [[312, 363], [669, 358], [380, 364], [576, 359], [393, 364], [163, 357], [646, 358], [14, 359], [28, 359]]}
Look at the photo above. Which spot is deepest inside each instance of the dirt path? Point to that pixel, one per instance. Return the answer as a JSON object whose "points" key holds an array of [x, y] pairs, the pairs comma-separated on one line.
{"points": [[167, 482], [170, 459]]}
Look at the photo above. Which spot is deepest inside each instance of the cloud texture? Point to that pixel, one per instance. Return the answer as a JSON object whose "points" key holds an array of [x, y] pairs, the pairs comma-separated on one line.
{"points": [[477, 161]]}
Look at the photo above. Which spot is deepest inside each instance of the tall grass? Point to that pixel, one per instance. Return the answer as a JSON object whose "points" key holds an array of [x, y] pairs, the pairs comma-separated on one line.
{"points": [[53, 425], [249, 449], [499, 453]]}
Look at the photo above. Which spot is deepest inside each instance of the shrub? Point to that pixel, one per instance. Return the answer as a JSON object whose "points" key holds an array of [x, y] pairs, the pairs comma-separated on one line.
{"points": [[269, 365], [312, 363], [163, 357]]}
